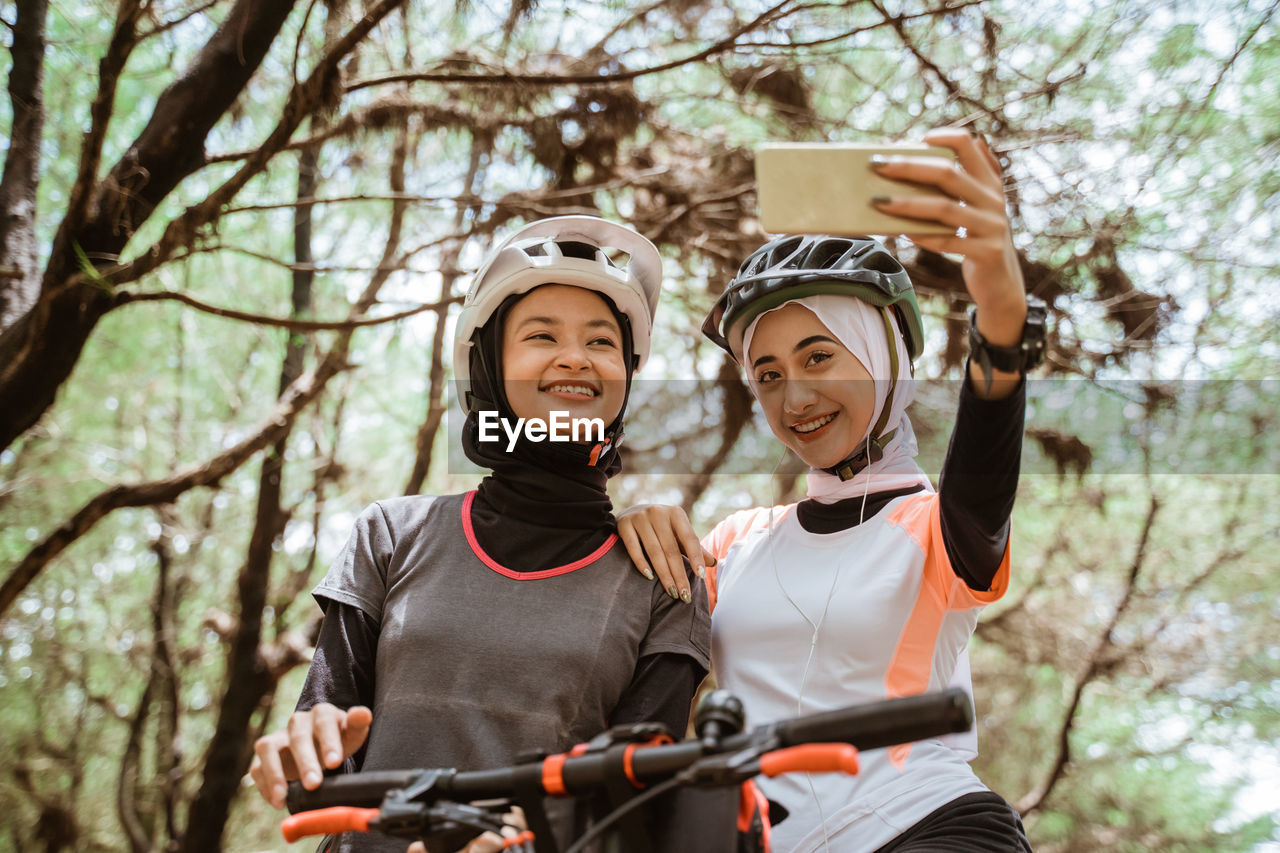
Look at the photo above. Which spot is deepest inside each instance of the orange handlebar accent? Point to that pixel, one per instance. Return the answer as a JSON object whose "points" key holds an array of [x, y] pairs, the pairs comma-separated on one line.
{"points": [[327, 821], [553, 775], [811, 758], [522, 838]]}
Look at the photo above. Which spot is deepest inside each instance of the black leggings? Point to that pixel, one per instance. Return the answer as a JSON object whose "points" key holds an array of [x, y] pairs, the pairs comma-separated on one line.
{"points": [[975, 823]]}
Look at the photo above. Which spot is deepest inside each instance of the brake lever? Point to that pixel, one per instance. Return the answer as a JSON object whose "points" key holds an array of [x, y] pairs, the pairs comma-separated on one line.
{"points": [[442, 827]]}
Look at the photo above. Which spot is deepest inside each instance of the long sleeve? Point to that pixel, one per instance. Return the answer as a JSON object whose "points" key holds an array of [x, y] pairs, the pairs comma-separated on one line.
{"points": [[342, 669], [661, 692], [343, 666], [979, 482]]}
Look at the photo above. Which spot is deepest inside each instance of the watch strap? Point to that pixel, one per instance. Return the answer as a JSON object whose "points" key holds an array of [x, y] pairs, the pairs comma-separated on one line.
{"points": [[1023, 356]]}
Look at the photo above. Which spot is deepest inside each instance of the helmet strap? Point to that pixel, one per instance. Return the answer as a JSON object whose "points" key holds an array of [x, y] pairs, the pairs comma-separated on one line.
{"points": [[873, 450]]}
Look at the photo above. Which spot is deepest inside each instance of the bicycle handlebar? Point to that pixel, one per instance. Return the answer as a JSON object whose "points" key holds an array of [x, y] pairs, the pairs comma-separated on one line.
{"points": [[870, 726]]}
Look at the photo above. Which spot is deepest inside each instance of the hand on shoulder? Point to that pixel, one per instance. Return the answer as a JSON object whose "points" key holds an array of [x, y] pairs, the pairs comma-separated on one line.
{"points": [[659, 539]]}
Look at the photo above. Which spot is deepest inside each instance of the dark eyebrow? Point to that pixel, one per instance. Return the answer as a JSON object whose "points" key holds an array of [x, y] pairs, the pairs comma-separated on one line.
{"points": [[554, 321], [812, 339], [541, 321]]}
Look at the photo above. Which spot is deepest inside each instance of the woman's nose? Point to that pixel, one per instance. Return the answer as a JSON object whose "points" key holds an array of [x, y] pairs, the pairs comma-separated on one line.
{"points": [[572, 357], [798, 396]]}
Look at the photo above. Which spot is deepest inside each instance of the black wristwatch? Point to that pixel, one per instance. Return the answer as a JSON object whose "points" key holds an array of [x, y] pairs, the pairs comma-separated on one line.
{"points": [[1019, 358]]}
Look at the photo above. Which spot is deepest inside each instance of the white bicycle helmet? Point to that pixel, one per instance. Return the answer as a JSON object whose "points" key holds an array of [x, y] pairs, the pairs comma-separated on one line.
{"points": [[532, 256]]}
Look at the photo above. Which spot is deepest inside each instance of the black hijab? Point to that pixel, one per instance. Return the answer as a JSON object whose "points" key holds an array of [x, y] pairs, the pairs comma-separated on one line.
{"points": [[545, 503]]}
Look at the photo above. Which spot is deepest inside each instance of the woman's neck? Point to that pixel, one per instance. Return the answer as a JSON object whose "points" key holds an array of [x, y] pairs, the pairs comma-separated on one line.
{"points": [[560, 500]]}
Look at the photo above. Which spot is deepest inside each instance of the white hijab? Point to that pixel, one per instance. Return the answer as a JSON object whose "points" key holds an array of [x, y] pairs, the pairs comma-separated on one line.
{"points": [[860, 328]]}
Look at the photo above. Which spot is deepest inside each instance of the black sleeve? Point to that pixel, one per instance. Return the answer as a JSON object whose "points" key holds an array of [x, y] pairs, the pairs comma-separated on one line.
{"points": [[343, 665], [661, 691], [342, 669], [979, 481]]}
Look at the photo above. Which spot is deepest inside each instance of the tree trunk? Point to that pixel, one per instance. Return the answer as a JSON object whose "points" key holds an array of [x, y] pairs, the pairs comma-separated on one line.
{"points": [[19, 275], [249, 681]]}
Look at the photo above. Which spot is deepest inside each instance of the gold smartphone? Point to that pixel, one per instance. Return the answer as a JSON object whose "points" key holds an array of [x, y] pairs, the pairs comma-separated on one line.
{"points": [[826, 188]]}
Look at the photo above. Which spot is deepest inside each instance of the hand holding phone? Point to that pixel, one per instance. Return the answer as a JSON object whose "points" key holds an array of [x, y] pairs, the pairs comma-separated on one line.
{"points": [[827, 188]]}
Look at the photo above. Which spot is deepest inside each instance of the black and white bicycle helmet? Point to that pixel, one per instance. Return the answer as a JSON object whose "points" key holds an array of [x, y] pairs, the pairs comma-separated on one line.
{"points": [[796, 266]]}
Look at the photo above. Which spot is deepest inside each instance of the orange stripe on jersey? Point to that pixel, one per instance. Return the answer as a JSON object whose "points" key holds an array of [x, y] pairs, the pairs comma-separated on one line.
{"points": [[940, 590], [734, 529], [737, 526]]}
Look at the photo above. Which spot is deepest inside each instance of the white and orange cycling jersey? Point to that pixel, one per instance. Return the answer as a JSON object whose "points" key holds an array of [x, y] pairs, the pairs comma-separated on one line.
{"points": [[891, 619]]}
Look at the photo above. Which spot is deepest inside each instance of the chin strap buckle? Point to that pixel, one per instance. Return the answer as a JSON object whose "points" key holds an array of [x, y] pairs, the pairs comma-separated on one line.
{"points": [[872, 451], [598, 452]]}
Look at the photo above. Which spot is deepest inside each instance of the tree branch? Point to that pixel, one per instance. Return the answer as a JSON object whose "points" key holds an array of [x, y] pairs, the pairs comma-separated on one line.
{"points": [[300, 394], [424, 442], [124, 38], [737, 413], [1034, 800], [248, 681], [282, 322], [164, 27], [39, 352], [303, 100], [728, 43], [953, 88]]}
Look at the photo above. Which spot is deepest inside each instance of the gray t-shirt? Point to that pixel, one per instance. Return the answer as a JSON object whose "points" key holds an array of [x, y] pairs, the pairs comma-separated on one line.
{"points": [[477, 663]]}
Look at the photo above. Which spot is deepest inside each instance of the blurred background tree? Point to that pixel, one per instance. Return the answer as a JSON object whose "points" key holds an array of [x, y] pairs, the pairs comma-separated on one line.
{"points": [[234, 232]]}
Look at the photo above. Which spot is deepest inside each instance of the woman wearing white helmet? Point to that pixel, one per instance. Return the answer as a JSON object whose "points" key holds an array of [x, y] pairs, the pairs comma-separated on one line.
{"points": [[464, 630]]}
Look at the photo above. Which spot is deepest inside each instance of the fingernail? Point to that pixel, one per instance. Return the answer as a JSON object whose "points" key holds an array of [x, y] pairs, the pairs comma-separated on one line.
{"points": [[671, 591], [686, 596], [648, 573], [701, 571], [332, 758], [878, 200], [277, 796], [313, 778], [878, 160]]}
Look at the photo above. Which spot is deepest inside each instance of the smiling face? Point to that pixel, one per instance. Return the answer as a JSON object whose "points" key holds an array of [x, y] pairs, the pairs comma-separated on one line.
{"points": [[816, 395], [562, 351]]}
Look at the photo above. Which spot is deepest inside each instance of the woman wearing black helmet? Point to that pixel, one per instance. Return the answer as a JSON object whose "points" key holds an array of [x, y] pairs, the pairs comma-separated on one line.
{"points": [[464, 630], [871, 586]]}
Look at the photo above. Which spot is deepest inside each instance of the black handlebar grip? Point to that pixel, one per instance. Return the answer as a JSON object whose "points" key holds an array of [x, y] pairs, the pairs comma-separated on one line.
{"points": [[362, 790], [885, 723]]}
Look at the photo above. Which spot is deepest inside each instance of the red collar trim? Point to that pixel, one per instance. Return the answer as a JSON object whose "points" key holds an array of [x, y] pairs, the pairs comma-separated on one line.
{"points": [[469, 530]]}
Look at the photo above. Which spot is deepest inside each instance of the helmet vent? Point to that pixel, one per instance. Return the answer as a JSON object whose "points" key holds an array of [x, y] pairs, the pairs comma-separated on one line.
{"points": [[577, 249], [786, 254], [882, 262], [828, 255], [617, 257]]}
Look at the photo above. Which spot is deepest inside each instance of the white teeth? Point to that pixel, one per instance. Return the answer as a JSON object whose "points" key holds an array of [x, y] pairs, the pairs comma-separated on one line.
{"points": [[572, 389], [812, 425]]}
